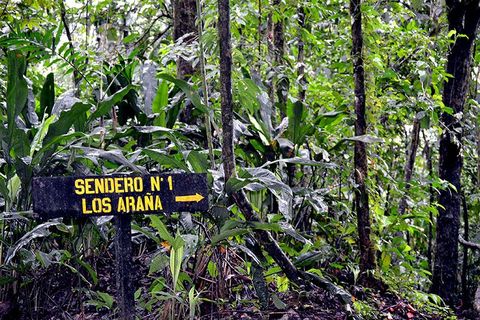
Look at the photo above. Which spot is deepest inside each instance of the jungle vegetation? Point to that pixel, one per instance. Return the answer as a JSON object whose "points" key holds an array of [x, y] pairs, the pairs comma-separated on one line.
{"points": [[341, 141]]}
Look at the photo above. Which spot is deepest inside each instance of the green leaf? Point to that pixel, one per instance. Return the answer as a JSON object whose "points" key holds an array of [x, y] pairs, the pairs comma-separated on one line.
{"points": [[65, 121], [176, 257], [262, 130], [297, 128], [365, 139], [235, 184], [152, 129], [165, 160], [198, 161], [161, 229], [106, 105], [17, 89], [280, 190], [160, 102], [38, 232], [188, 90], [161, 98], [106, 298], [90, 270], [41, 133], [227, 234], [47, 96], [158, 262]]}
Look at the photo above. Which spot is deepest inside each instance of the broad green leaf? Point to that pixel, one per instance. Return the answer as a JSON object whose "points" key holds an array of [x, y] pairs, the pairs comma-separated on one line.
{"points": [[152, 129], [66, 120], [165, 160], [41, 133], [188, 90], [158, 262], [107, 104], [198, 161], [47, 96], [297, 127], [365, 139], [17, 89], [227, 234], [161, 229], [160, 102], [39, 231], [106, 298]]}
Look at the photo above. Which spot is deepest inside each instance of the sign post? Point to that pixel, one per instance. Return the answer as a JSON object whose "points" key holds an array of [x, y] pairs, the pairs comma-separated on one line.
{"points": [[120, 196]]}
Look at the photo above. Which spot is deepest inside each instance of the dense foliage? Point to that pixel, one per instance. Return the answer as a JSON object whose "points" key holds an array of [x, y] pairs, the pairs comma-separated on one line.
{"points": [[95, 87]]}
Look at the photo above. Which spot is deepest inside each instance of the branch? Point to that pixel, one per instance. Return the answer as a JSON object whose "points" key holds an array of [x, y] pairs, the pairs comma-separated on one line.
{"points": [[5, 8], [76, 76], [147, 32], [468, 244]]}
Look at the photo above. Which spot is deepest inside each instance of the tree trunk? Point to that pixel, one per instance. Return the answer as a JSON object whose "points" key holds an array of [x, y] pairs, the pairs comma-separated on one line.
{"points": [[184, 12], [367, 253], [264, 237], [463, 17], [428, 159], [226, 87], [410, 163], [302, 82], [279, 50], [465, 295], [66, 26]]}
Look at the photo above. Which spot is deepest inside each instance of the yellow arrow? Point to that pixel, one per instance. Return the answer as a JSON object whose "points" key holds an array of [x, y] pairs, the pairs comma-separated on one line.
{"points": [[191, 198]]}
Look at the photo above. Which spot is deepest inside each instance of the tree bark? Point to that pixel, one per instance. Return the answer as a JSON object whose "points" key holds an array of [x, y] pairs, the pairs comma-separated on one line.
{"points": [[184, 12], [226, 87], [282, 86], [264, 237], [302, 82], [410, 163], [123, 267], [463, 18], [66, 26], [465, 295], [367, 253], [428, 159]]}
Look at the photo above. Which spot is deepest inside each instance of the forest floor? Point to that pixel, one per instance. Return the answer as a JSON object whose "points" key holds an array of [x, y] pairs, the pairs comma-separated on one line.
{"points": [[55, 294]]}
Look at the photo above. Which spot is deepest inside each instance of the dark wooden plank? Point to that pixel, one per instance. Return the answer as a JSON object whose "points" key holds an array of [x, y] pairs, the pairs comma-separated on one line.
{"points": [[119, 194], [123, 267]]}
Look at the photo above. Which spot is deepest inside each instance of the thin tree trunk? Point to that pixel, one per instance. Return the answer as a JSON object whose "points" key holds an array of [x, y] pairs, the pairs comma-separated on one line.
{"points": [[410, 163], [302, 82], [279, 49], [184, 15], [271, 59], [203, 74], [428, 159], [226, 87], [184, 12], [264, 237], [367, 253], [465, 295], [66, 26], [260, 28], [463, 17], [478, 151]]}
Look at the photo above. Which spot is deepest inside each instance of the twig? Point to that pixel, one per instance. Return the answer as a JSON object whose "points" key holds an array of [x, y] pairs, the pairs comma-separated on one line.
{"points": [[468, 244], [5, 7], [208, 120], [146, 33], [76, 76]]}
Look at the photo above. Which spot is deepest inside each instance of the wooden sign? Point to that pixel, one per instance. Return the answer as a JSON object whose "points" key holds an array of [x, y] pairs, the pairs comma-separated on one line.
{"points": [[120, 194]]}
